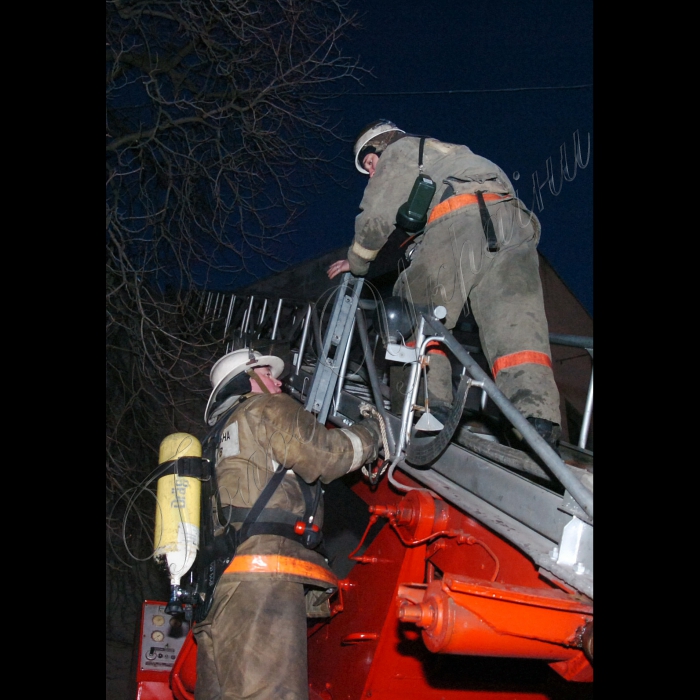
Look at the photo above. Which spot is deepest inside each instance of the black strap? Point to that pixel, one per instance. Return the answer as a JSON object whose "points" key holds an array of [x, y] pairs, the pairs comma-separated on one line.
{"points": [[420, 153], [234, 514], [280, 529], [311, 499], [487, 224], [225, 544], [264, 497], [273, 521], [449, 191], [213, 555], [187, 466], [209, 446]]}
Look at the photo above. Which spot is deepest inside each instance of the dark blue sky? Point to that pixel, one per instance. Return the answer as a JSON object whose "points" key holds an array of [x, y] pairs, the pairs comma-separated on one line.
{"points": [[499, 49]]}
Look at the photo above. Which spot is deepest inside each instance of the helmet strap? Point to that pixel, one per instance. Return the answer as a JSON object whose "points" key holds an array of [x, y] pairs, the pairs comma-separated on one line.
{"points": [[254, 377], [367, 150]]}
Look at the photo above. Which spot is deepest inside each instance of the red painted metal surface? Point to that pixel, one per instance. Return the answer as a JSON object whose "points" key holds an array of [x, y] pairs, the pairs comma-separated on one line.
{"points": [[154, 690], [184, 673], [430, 549], [489, 627], [459, 615]]}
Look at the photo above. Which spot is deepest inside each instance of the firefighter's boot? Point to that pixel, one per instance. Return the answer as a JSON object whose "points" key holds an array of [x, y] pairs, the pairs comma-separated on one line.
{"points": [[550, 432]]}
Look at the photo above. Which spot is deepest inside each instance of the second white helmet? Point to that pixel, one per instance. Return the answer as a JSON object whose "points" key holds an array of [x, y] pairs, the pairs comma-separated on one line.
{"points": [[371, 131]]}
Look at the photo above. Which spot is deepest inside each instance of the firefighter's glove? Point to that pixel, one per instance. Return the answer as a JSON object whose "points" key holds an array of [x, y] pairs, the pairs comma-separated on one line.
{"points": [[372, 425]]}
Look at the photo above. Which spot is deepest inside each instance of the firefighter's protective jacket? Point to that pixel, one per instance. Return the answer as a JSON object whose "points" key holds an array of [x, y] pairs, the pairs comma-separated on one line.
{"points": [[268, 430], [449, 165]]}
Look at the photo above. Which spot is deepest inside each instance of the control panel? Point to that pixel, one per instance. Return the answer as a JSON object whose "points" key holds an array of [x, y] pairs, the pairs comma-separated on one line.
{"points": [[162, 637]]}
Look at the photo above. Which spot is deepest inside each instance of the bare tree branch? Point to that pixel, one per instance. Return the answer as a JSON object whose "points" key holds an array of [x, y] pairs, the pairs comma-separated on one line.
{"points": [[218, 118]]}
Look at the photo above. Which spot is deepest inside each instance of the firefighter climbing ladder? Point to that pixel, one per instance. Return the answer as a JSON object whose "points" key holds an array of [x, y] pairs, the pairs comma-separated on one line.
{"points": [[555, 532], [242, 321]]}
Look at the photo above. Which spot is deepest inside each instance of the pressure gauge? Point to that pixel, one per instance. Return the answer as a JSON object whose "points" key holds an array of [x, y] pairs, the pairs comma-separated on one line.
{"points": [[158, 620], [157, 636]]}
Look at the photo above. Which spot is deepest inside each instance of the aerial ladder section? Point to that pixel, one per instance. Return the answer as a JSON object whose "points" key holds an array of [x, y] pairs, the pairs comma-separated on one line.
{"points": [[486, 550]]}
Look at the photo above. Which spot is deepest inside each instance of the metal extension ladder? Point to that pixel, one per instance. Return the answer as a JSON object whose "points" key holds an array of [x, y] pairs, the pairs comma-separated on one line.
{"points": [[330, 367], [555, 531]]}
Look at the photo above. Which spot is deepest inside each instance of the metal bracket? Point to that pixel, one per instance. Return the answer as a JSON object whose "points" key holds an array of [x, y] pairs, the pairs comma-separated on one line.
{"points": [[401, 353], [576, 547]]}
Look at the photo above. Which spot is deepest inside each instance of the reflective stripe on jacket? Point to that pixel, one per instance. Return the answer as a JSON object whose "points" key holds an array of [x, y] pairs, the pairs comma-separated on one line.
{"points": [[449, 165]]}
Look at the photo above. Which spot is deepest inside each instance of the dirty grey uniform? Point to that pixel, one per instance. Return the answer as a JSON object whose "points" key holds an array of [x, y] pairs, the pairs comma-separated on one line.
{"points": [[450, 265], [252, 644]]}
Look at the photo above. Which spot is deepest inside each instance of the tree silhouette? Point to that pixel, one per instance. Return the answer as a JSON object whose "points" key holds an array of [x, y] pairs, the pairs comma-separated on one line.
{"points": [[219, 117]]}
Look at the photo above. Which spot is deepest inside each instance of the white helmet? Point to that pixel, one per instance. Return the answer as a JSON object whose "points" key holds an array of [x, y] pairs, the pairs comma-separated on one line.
{"points": [[230, 366], [367, 134]]}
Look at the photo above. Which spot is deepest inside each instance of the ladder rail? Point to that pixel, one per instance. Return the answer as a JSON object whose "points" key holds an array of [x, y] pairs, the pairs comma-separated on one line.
{"points": [[330, 368]]}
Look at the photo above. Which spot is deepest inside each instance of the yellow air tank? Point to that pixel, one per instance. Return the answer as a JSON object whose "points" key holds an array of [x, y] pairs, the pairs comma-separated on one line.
{"points": [[177, 511]]}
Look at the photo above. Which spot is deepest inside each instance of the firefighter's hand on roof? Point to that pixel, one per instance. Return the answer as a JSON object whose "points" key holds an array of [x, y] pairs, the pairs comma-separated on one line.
{"points": [[337, 267]]}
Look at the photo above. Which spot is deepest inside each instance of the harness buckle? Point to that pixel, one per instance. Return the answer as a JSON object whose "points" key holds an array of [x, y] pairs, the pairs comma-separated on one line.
{"points": [[310, 534]]}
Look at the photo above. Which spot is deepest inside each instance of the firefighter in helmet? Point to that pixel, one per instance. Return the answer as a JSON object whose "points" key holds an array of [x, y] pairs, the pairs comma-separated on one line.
{"points": [[478, 248], [252, 643]]}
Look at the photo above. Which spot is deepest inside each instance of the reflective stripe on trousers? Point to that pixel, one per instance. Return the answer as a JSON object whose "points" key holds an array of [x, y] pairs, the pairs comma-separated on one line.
{"points": [[520, 358]]}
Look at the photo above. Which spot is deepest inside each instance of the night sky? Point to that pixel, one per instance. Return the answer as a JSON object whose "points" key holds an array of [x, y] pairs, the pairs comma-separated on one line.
{"points": [[494, 50]]}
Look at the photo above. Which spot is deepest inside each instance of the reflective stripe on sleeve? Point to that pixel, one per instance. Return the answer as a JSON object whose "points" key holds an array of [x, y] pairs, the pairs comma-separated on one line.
{"points": [[362, 252], [356, 448], [275, 564], [520, 358]]}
